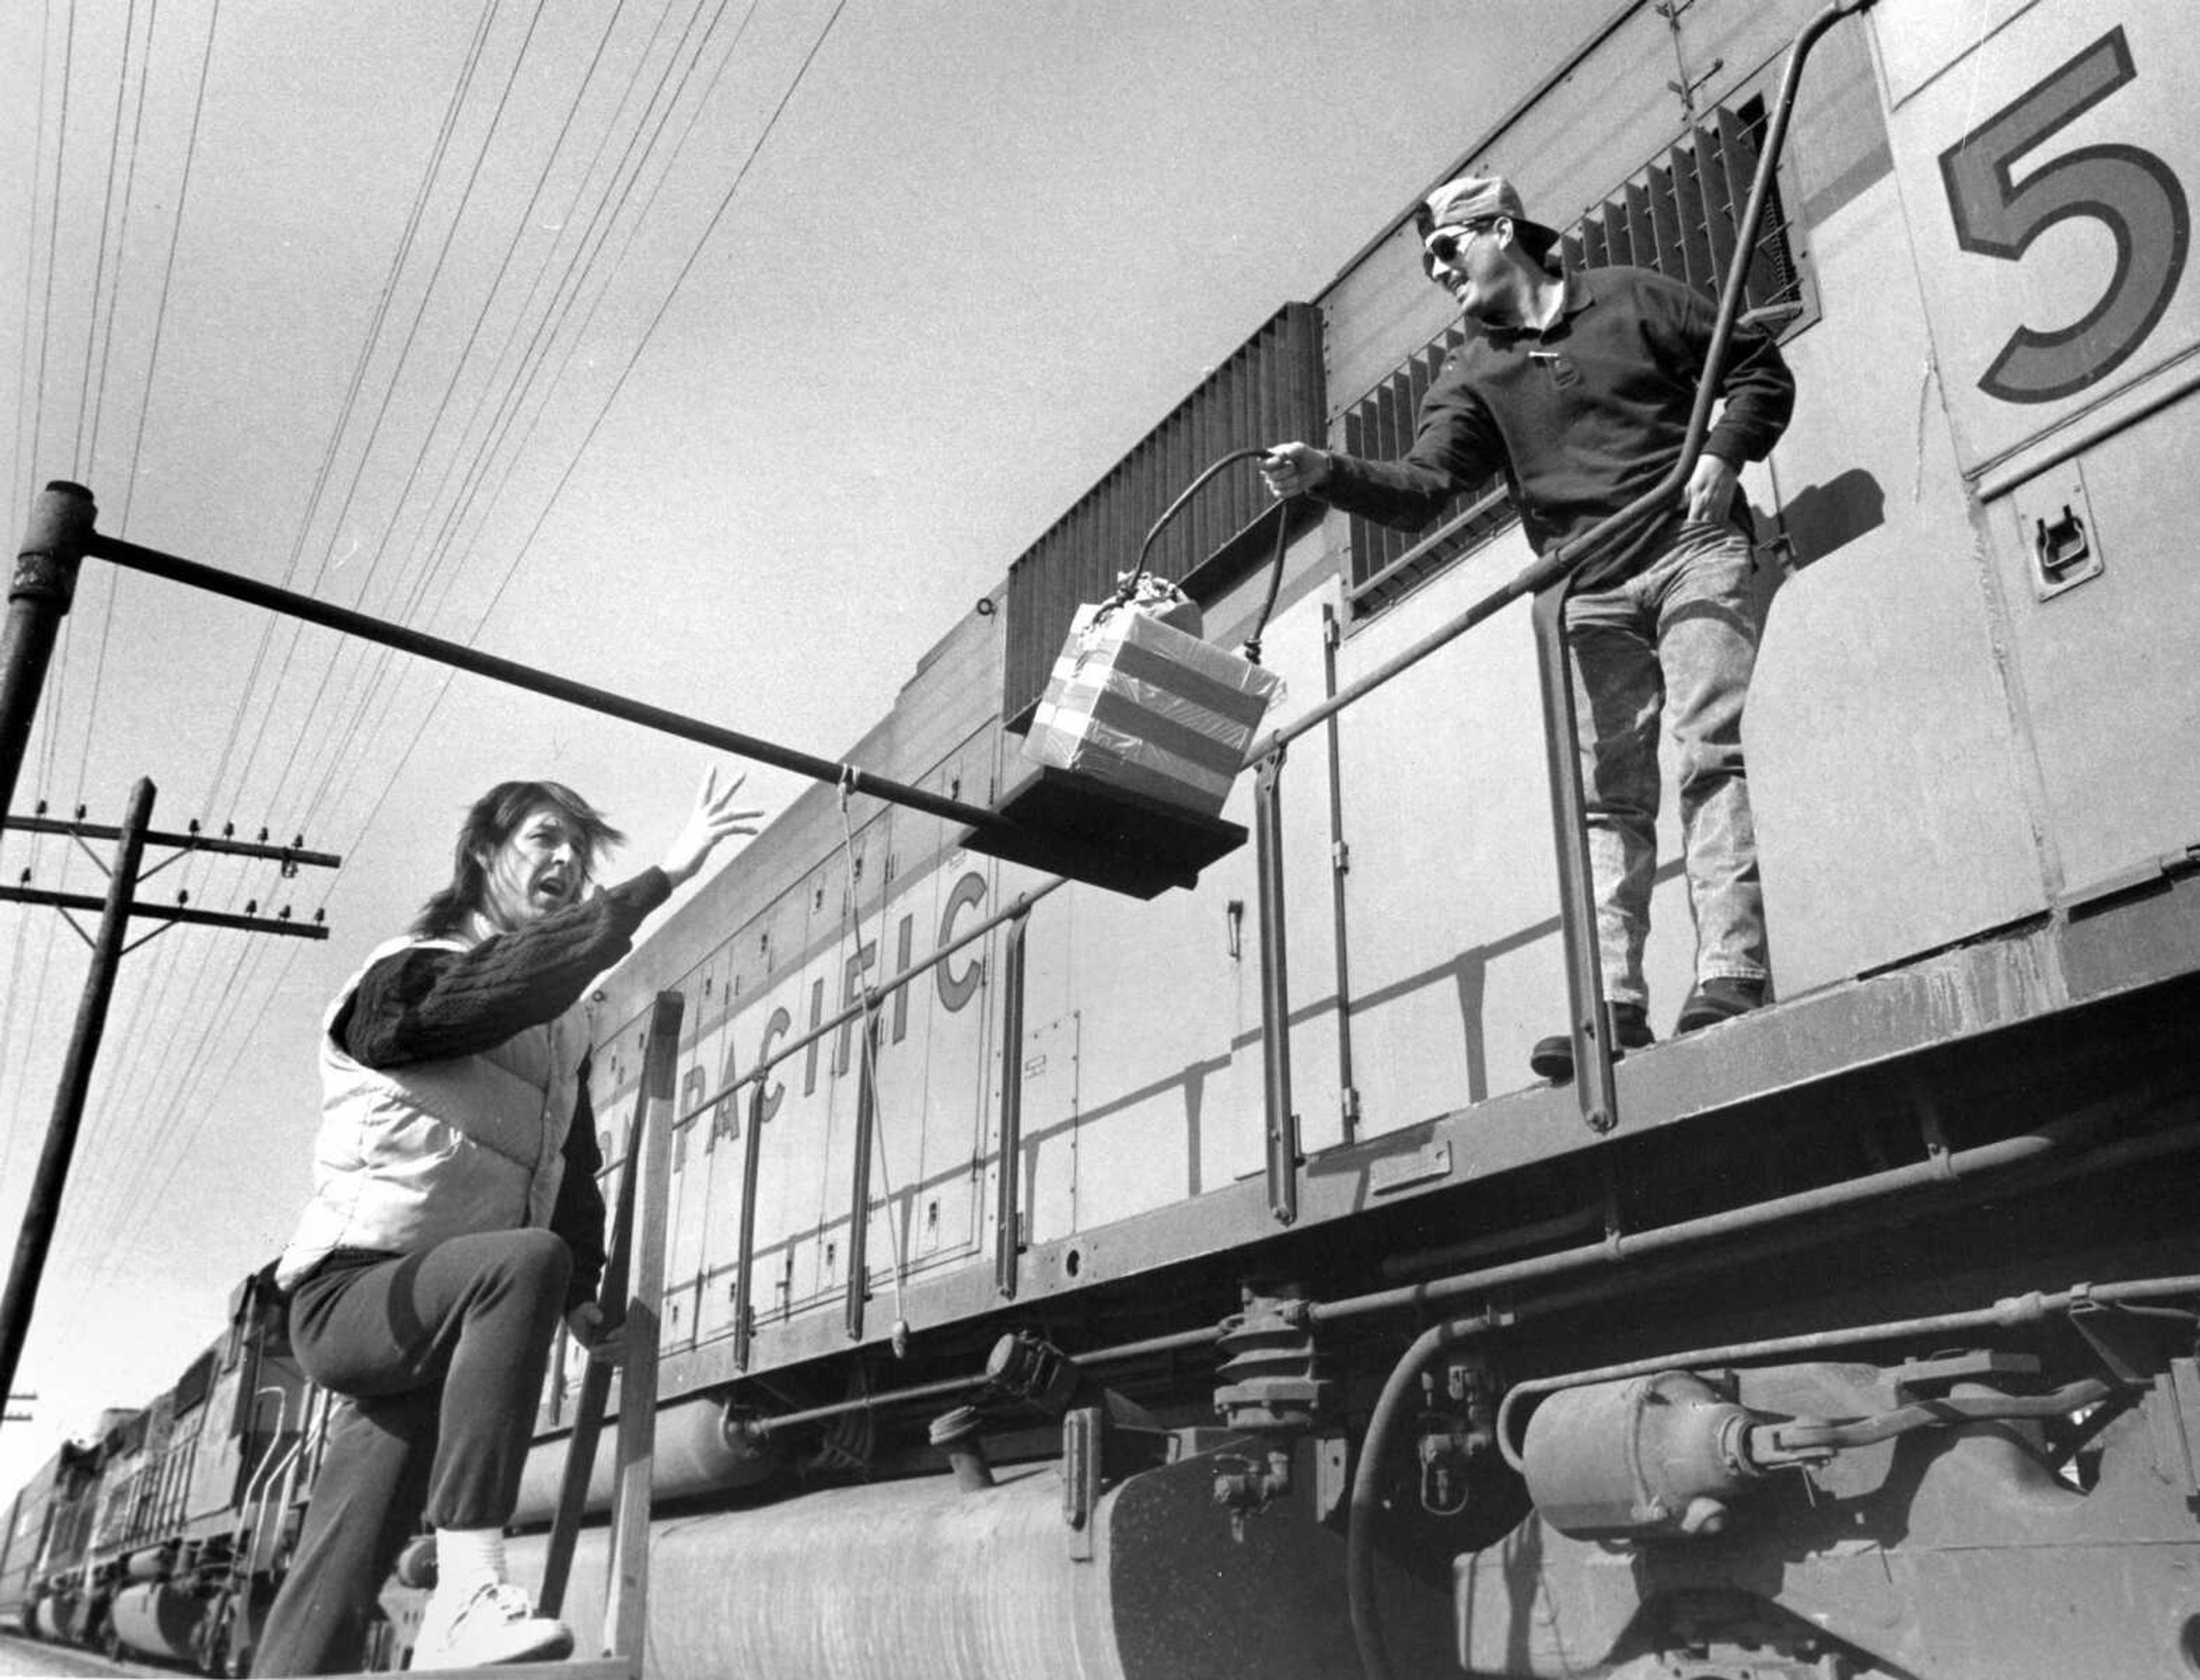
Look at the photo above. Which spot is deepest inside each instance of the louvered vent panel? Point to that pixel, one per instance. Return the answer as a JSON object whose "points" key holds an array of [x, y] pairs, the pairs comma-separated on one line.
{"points": [[1272, 388]]}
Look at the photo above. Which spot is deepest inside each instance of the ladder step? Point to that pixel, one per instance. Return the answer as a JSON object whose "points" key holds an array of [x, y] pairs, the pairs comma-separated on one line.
{"points": [[572, 1668]]}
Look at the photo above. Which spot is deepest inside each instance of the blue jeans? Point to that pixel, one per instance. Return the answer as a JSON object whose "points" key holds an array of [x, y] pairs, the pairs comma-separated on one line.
{"points": [[1679, 637]]}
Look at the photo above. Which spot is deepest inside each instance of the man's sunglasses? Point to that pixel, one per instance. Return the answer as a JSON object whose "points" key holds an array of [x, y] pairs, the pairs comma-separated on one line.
{"points": [[1444, 244]]}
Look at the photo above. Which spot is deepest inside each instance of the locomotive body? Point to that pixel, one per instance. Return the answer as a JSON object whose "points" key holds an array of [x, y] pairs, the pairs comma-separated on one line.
{"points": [[1066, 1133], [163, 1537], [42, 1553]]}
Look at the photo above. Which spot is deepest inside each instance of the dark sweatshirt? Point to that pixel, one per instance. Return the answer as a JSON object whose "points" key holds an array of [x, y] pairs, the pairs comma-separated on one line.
{"points": [[1582, 417]]}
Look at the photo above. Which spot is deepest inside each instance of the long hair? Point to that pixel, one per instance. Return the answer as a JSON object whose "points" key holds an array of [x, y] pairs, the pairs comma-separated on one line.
{"points": [[491, 821]]}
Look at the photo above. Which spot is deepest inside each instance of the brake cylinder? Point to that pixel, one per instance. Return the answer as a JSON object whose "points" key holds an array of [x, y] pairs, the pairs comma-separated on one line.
{"points": [[1651, 1456]]}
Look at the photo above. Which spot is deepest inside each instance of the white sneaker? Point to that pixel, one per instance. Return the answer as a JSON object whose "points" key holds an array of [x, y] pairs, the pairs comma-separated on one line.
{"points": [[492, 1623]]}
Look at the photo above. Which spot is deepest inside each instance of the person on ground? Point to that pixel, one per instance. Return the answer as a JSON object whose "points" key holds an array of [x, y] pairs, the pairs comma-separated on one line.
{"points": [[1579, 388], [455, 1220]]}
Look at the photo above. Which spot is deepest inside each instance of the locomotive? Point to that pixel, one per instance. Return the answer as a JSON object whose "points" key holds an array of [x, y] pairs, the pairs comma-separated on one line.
{"points": [[1147, 1254], [164, 1534]]}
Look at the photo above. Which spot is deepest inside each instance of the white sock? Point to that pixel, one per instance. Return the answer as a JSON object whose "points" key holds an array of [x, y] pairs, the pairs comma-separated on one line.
{"points": [[466, 1558]]}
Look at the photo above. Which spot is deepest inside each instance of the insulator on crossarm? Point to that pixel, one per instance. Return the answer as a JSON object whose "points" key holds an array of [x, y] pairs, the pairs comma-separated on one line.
{"points": [[80, 811], [183, 896], [229, 830], [192, 826], [251, 907], [263, 836], [40, 810], [321, 915], [284, 914]]}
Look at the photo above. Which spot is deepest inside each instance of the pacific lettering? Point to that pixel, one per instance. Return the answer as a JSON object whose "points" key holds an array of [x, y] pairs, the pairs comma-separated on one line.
{"points": [[957, 989]]}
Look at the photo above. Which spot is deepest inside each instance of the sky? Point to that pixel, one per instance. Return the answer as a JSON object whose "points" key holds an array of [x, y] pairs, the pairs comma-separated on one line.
{"points": [[720, 354]]}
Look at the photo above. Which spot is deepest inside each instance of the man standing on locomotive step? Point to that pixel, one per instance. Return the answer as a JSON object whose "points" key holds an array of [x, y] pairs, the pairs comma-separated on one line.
{"points": [[1579, 387]]}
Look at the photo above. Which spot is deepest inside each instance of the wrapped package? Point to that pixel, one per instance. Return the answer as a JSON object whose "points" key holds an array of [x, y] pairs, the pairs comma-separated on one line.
{"points": [[1144, 706]]}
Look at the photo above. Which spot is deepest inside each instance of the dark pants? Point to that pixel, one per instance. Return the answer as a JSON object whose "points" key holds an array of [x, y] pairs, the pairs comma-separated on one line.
{"points": [[440, 1355]]}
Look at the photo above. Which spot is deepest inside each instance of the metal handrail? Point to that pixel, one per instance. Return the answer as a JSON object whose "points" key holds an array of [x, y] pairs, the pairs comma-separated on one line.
{"points": [[251, 1514], [743, 1293], [1548, 578], [1019, 907], [1548, 569], [743, 1289]]}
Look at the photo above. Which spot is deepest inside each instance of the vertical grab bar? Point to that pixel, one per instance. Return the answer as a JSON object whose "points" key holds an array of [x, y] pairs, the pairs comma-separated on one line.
{"points": [[859, 1189], [626, 1596], [1597, 1088], [745, 1260], [632, 1286], [1340, 855], [1009, 1188], [1282, 1123]]}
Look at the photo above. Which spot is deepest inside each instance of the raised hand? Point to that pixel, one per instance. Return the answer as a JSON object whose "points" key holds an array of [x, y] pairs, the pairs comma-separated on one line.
{"points": [[715, 818]]}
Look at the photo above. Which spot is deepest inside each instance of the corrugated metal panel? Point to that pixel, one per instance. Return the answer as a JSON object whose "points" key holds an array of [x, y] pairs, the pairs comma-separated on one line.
{"points": [[1677, 215], [1271, 388]]}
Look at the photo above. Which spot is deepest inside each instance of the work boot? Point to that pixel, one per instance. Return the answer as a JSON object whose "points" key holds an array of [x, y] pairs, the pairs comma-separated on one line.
{"points": [[1627, 1024], [1718, 999], [491, 1622]]}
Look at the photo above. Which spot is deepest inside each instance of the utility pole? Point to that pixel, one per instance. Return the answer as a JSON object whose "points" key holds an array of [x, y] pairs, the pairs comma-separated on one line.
{"points": [[107, 950], [39, 592]]}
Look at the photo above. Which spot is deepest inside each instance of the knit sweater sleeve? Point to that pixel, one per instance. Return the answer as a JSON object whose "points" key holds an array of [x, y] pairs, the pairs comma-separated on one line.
{"points": [[427, 1002]]}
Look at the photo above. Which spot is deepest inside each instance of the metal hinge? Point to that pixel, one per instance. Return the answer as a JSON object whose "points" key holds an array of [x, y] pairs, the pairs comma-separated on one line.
{"points": [[2147, 876], [1080, 1478], [1340, 856]]}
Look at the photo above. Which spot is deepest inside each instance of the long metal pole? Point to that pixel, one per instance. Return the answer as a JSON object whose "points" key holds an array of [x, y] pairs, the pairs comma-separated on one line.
{"points": [[44, 1208], [511, 671], [39, 592]]}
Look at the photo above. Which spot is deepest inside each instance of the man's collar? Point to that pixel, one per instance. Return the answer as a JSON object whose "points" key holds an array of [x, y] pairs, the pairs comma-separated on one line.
{"points": [[1574, 296]]}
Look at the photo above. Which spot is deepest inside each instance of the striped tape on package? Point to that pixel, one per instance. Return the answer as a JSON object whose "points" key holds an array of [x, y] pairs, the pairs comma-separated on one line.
{"points": [[1148, 709]]}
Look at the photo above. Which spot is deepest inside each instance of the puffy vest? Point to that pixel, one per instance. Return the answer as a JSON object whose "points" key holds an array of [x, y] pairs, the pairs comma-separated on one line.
{"points": [[411, 1156]]}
